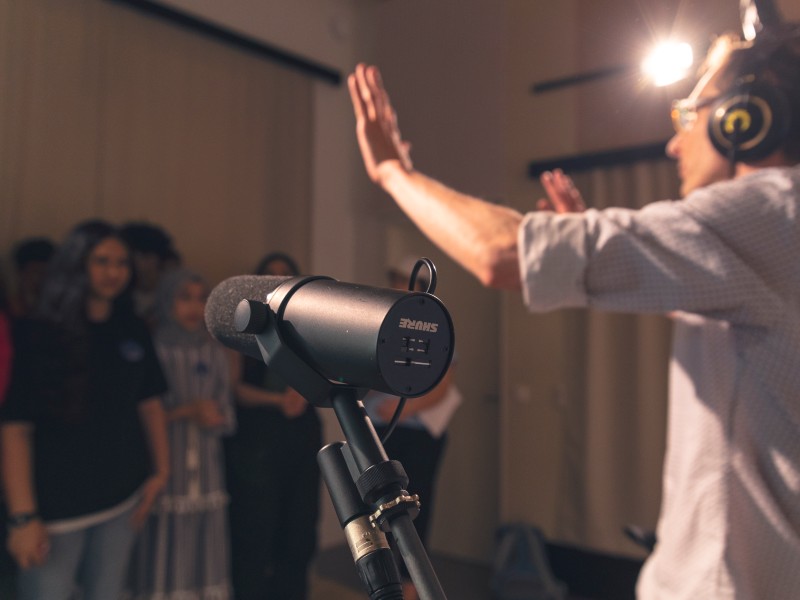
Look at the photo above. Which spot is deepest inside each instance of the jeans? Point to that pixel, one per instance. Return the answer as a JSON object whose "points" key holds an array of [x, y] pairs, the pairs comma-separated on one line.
{"points": [[94, 560]]}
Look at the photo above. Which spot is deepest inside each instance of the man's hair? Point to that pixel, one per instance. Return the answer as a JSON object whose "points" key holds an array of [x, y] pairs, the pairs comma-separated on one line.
{"points": [[773, 60], [147, 239], [30, 250], [272, 257]]}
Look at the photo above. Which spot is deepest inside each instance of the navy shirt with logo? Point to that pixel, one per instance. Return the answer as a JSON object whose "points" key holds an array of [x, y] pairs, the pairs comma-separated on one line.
{"points": [[81, 395]]}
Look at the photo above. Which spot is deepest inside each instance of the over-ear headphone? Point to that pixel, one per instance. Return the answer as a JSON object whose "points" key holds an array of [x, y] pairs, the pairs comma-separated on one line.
{"points": [[749, 122]]}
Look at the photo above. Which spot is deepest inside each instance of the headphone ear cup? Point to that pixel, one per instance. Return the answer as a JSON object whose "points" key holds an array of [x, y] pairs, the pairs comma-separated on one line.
{"points": [[749, 123]]}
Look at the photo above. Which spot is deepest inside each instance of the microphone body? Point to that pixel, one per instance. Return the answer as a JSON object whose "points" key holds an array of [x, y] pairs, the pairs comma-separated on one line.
{"points": [[381, 339]]}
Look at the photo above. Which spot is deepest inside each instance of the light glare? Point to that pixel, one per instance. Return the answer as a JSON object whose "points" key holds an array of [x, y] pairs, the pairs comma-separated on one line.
{"points": [[668, 62]]}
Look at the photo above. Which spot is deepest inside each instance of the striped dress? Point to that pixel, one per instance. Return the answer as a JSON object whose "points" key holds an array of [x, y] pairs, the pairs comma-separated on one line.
{"points": [[183, 551]]}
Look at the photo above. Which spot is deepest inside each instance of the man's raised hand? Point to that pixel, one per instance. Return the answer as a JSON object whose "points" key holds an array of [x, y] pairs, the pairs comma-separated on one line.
{"points": [[376, 123]]}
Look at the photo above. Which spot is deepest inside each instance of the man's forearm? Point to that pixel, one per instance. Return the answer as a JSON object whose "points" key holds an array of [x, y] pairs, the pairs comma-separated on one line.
{"points": [[480, 236]]}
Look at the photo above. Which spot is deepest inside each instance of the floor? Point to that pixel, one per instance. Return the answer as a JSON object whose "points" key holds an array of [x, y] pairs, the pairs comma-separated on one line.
{"points": [[335, 575], [325, 589]]}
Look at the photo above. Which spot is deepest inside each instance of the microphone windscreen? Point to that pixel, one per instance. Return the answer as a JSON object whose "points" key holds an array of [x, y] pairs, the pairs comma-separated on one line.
{"points": [[221, 306]]}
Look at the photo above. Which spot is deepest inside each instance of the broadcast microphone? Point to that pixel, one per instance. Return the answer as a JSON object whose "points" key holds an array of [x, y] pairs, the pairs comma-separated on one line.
{"points": [[387, 340]]}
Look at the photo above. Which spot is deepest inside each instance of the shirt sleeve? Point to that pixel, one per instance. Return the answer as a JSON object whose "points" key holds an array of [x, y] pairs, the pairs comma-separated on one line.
{"points": [[153, 383], [710, 254], [6, 354], [29, 378]]}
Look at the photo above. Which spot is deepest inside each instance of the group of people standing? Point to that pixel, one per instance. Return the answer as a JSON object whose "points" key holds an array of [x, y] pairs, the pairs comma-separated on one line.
{"points": [[118, 410]]}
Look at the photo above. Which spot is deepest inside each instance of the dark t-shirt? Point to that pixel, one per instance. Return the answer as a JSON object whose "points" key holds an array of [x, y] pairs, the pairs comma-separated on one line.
{"points": [[81, 395]]}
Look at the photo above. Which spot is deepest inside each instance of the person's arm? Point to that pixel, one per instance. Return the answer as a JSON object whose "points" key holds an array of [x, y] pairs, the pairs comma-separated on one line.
{"points": [[562, 195], [27, 542], [184, 412], [204, 412], [252, 395], [235, 367], [154, 423], [480, 236], [223, 394], [289, 402]]}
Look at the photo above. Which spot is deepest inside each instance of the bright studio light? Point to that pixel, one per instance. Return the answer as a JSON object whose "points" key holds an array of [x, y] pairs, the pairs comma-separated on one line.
{"points": [[668, 62]]}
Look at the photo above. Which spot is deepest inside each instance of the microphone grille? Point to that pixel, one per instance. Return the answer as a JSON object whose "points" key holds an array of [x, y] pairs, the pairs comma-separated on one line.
{"points": [[221, 309]]}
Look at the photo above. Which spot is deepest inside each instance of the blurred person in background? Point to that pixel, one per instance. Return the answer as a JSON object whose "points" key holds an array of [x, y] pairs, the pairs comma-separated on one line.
{"points": [[31, 256], [84, 443], [7, 567], [183, 551], [273, 478], [152, 254]]}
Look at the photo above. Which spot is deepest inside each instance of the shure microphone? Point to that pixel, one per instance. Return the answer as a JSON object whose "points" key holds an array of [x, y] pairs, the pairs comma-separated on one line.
{"points": [[365, 337]]}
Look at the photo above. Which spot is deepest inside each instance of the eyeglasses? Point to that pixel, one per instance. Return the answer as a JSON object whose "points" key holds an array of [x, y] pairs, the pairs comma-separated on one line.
{"points": [[684, 111]]}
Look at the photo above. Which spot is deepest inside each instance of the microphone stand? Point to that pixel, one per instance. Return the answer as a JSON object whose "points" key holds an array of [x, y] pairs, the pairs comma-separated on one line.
{"points": [[373, 499], [381, 485]]}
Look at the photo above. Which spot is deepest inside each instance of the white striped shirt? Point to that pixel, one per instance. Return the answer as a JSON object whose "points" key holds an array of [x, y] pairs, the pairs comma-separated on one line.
{"points": [[725, 258]]}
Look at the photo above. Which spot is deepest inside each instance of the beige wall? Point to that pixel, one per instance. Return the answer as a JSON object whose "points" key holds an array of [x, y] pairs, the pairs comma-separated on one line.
{"points": [[110, 113]]}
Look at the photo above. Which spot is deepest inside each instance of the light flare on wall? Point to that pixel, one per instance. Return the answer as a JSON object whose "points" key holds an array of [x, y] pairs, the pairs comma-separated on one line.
{"points": [[668, 63]]}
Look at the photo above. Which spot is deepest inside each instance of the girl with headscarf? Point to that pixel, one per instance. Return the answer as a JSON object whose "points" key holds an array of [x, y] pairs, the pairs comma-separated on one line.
{"points": [[183, 550]]}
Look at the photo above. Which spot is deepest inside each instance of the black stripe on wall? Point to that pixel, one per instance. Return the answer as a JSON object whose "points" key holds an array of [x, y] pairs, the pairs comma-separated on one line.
{"points": [[293, 61], [612, 158]]}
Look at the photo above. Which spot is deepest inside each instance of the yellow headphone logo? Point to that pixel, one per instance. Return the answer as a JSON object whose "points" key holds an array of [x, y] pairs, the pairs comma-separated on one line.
{"points": [[737, 121]]}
